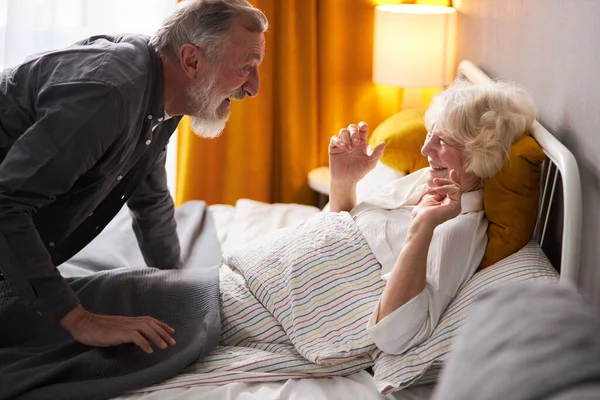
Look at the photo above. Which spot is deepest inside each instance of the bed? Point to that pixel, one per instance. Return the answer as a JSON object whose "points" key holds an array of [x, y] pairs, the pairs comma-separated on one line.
{"points": [[236, 225]]}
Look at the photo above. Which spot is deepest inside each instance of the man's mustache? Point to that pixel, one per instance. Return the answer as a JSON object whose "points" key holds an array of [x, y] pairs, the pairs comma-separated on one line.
{"points": [[239, 94]]}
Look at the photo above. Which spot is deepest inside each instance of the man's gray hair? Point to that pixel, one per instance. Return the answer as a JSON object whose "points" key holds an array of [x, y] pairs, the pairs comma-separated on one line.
{"points": [[206, 24]]}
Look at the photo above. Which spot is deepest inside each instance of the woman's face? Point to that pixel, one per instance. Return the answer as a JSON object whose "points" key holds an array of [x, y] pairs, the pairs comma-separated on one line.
{"points": [[444, 156]]}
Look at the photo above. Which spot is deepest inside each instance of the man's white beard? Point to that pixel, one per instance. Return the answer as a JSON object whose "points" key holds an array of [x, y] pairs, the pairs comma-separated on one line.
{"points": [[203, 104], [208, 129]]}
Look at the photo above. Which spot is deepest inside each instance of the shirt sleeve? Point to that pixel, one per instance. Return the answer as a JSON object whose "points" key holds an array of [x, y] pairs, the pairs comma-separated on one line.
{"points": [[74, 125], [154, 223], [455, 252]]}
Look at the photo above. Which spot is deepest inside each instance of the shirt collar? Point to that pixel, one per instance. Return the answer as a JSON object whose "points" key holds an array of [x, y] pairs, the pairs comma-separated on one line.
{"points": [[156, 105]]}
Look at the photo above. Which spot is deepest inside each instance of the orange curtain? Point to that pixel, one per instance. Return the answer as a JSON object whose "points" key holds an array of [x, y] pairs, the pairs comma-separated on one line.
{"points": [[315, 79]]}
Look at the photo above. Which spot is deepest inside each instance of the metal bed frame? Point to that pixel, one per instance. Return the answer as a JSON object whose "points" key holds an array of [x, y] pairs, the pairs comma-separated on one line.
{"points": [[560, 161]]}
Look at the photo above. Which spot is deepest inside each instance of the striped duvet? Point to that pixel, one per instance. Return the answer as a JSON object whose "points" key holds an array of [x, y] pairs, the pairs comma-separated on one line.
{"points": [[295, 305]]}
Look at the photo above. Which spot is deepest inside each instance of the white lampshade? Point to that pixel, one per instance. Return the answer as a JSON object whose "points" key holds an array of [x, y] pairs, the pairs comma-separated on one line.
{"points": [[414, 45]]}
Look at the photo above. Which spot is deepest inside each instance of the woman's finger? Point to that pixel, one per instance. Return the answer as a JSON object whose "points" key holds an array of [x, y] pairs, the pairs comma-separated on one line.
{"points": [[454, 176], [377, 151], [363, 130], [444, 181], [353, 129], [344, 136], [448, 188], [336, 143], [451, 192], [332, 141]]}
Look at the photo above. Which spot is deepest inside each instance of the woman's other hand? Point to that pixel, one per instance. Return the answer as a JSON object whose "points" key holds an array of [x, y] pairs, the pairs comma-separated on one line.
{"points": [[348, 158], [440, 203]]}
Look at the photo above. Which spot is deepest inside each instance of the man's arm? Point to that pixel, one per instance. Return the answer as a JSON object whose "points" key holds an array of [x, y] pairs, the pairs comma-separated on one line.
{"points": [[154, 223], [66, 140], [75, 125]]}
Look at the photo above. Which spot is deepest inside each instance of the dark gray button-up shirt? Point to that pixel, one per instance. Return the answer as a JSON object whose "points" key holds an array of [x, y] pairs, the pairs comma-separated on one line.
{"points": [[82, 132]]}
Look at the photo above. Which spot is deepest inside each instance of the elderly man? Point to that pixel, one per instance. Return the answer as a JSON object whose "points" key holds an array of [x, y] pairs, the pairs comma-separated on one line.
{"points": [[83, 131]]}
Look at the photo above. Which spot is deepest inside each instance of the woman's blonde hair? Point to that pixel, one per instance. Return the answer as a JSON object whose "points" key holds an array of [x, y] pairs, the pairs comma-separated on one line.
{"points": [[483, 120]]}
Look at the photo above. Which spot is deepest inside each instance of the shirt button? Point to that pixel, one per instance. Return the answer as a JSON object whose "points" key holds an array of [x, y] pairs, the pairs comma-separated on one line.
{"points": [[39, 313], [160, 119], [122, 197], [119, 177], [148, 142], [51, 244], [149, 116], [90, 214]]}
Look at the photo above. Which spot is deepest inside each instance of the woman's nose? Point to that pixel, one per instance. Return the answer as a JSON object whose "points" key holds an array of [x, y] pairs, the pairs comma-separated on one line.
{"points": [[426, 149]]}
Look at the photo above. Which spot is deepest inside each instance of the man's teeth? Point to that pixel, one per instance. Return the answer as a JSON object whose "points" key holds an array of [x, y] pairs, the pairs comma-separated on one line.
{"points": [[437, 168]]}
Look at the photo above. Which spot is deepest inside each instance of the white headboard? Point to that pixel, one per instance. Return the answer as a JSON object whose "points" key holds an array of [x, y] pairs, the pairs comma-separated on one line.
{"points": [[559, 159]]}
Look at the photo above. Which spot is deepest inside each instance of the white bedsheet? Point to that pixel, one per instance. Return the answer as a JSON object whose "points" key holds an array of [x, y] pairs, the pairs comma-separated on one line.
{"points": [[356, 386], [250, 219]]}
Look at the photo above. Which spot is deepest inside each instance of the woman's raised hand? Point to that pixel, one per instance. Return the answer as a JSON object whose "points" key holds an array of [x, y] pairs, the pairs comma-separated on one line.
{"points": [[349, 161]]}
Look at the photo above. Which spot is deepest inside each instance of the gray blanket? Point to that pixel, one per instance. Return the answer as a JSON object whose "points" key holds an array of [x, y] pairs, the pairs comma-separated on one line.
{"points": [[39, 360], [526, 341]]}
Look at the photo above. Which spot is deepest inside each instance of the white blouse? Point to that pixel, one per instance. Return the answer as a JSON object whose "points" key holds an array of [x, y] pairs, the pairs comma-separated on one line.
{"points": [[456, 250]]}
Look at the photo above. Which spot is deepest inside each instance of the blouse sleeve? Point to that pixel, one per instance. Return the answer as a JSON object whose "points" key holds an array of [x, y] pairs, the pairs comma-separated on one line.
{"points": [[455, 252]]}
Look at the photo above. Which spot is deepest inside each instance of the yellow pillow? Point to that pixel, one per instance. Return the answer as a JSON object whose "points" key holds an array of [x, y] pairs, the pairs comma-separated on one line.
{"points": [[510, 200], [404, 134]]}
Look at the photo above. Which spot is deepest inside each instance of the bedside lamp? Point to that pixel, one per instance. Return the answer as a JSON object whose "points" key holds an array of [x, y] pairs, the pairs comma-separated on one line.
{"points": [[414, 46]]}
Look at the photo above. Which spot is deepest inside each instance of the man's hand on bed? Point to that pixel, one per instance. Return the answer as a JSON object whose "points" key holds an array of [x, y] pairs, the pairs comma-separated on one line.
{"points": [[108, 330], [349, 161]]}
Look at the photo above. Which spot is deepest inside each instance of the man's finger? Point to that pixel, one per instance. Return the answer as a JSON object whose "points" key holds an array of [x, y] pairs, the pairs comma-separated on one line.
{"points": [[164, 334], [152, 336], [164, 325], [137, 338]]}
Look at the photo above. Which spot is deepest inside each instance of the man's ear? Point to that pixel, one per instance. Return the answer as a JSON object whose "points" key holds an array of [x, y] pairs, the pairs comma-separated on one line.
{"points": [[191, 59]]}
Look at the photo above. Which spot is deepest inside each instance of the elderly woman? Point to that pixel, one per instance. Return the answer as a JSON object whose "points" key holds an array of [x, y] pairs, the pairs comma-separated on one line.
{"points": [[428, 229]]}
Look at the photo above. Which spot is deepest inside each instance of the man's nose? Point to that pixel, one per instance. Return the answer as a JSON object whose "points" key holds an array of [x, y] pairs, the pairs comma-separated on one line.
{"points": [[252, 84]]}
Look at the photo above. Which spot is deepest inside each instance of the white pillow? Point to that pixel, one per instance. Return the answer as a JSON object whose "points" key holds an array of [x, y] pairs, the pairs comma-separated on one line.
{"points": [[373, 181]]}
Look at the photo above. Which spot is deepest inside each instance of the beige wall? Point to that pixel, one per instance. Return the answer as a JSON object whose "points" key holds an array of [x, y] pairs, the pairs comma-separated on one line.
{"points": [[553, 48]]}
